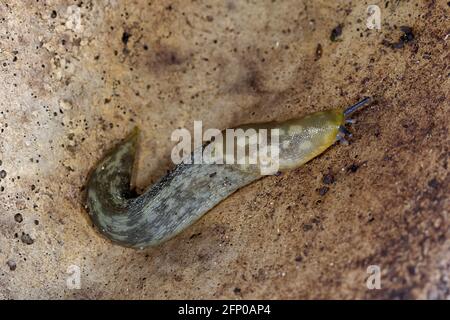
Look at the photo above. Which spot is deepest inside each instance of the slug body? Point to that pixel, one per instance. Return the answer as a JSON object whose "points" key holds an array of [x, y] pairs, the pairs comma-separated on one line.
{"points": [[190, 190]]}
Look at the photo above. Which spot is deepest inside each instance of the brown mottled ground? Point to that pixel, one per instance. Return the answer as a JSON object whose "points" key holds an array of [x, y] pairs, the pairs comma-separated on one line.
{"points": [[75, 79]]}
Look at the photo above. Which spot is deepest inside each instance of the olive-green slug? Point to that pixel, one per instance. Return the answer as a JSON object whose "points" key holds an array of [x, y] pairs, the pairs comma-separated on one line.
{"points": [[190, 190]]}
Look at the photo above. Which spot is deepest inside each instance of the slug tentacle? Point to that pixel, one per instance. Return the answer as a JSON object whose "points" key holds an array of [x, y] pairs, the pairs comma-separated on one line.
{"points": [[345, 131], [190, 190], [356, 106]]}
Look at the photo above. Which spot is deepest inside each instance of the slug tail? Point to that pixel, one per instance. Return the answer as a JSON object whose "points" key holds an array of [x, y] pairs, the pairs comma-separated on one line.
{"points": [[108, 187], [113, 175]]}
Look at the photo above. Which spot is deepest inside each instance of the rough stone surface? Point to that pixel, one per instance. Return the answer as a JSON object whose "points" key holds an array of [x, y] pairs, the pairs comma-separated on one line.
{"points": [[76, 76]]}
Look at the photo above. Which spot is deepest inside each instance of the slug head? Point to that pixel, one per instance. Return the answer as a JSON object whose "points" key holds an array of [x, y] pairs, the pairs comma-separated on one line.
{"points": [[303, 139]]}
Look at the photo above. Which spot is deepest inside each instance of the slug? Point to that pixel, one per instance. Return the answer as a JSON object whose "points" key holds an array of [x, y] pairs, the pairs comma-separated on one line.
{"points": [[190, 190]]}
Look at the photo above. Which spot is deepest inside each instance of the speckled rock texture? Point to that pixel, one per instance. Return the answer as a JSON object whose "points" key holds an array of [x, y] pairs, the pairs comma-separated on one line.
{"points": [[77, 76]]}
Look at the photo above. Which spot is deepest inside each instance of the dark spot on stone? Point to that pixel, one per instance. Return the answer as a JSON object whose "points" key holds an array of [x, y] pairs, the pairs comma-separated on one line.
{"points": [[36, 222], [353, 168], [407, 35], [319, 52], [433, 183], [2, 174], [237, 290], [11, 264], [53, 14], [145, 47], [328, 178], [323, 190], [299, 258], [18, 217], [307, 226], [195, 235], [202, 256], [212, 174], [250, 81], [125, 37], [400, 294], [167, 57], [336, 33], [26, 238], [209, 18], [411, 270]]}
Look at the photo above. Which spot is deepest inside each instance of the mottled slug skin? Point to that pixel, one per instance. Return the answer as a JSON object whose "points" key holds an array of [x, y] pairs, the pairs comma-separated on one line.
{"points": [[190, 190]]}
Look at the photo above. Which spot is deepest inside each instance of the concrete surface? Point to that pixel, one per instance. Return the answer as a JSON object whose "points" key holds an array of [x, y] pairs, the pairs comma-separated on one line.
{"points": [[76, 76]]}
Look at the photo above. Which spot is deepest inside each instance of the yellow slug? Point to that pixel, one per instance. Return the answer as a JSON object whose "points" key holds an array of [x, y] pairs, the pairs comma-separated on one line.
{"points": [[190, 190]]}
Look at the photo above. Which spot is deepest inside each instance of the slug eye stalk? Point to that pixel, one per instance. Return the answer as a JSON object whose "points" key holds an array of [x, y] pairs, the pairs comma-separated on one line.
{"points": [[356, 106]]}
